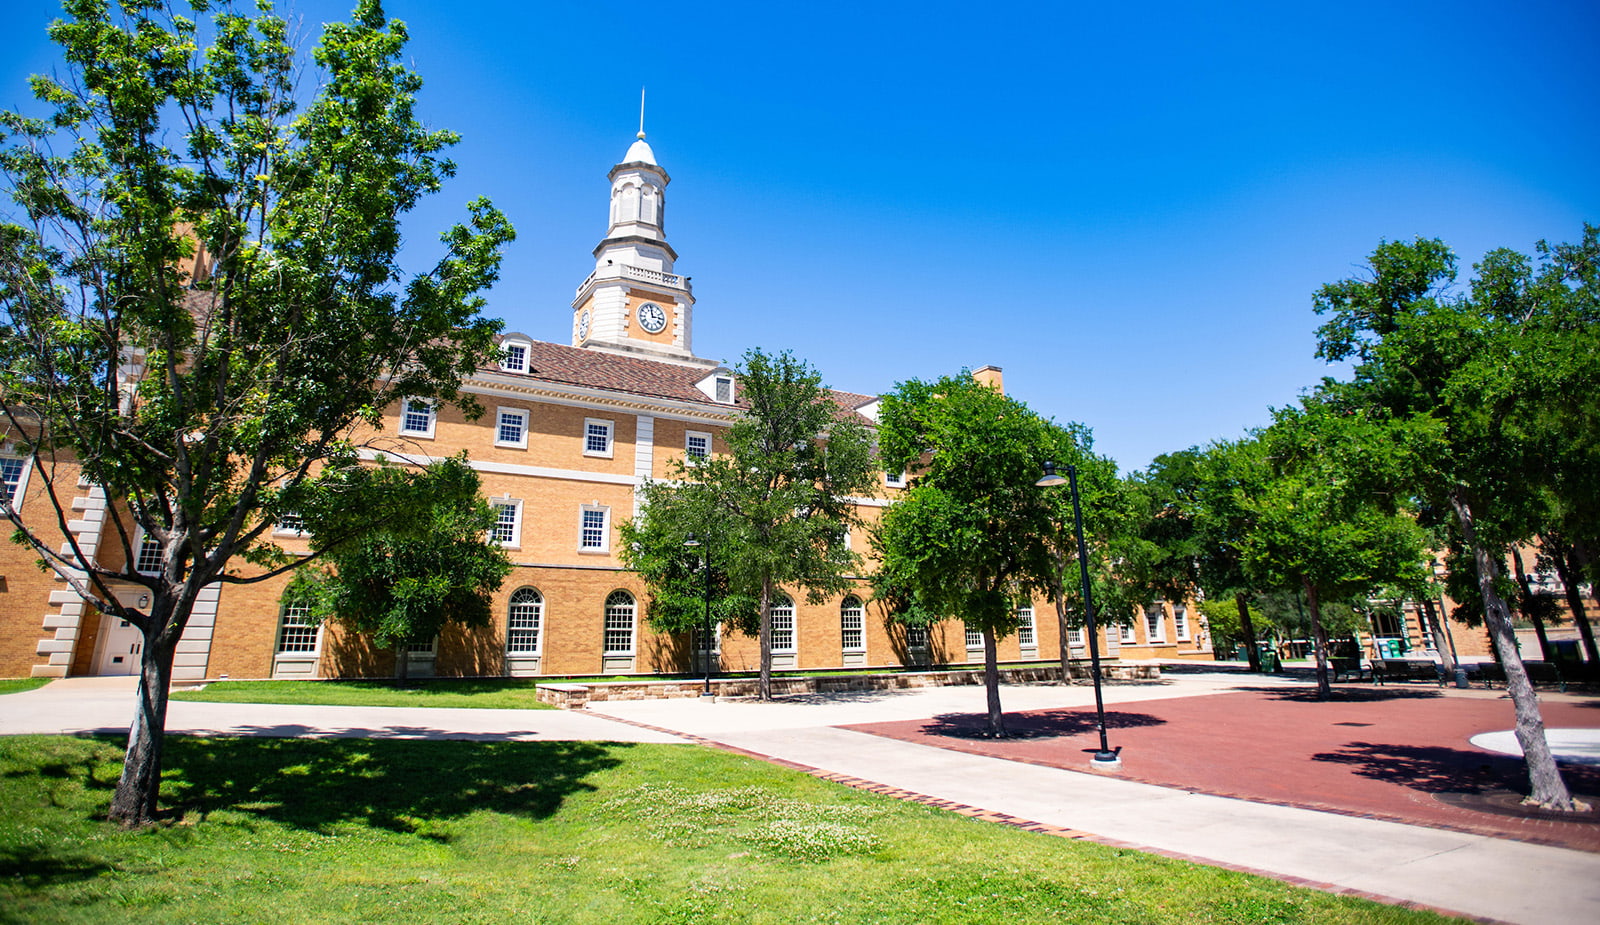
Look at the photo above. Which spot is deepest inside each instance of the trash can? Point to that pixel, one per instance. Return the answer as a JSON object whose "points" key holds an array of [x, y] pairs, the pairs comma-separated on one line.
{"points": [[1269, 660]]}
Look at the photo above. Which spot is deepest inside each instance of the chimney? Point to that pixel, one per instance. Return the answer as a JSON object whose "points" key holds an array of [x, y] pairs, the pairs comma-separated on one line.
{"points": [[991, 377]]}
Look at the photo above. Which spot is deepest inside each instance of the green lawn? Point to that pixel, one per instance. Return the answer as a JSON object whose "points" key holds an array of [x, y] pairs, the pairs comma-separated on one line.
{"points": [[479, 693], [301, 830], [18, 685]]}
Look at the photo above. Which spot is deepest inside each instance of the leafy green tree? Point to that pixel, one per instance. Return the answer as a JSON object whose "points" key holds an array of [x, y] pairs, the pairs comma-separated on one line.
{"points": [[774, 510], [1493, 389], [201, 299], [1323, 525], [429, 561], [970, 536]]}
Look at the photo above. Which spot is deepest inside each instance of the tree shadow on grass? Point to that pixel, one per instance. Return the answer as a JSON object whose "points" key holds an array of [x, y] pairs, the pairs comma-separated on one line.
{"points": [[388, 784], [1034, 724], [1437, 769]]}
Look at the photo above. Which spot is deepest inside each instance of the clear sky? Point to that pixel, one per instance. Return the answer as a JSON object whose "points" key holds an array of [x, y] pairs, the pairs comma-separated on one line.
{"points": [[1126, 207]]}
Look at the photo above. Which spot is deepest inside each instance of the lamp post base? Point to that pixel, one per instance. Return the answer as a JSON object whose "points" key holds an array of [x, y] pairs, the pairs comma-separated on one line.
{"points": [[1106, 761]]}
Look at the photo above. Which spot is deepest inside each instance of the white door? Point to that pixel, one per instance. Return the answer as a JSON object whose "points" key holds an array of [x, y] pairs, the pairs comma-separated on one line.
{"points": [[119, 652]]}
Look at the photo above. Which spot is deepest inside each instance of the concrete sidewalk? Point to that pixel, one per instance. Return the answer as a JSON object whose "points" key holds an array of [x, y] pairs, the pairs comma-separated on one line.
{"points": [[79, 705], [1471, 875]]}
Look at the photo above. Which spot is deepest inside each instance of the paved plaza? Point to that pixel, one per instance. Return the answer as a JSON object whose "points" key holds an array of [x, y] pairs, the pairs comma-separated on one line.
{"points": [[1380, 793]]}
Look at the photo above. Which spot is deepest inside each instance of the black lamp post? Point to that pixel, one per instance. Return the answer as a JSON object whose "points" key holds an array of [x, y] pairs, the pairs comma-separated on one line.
{"points": [[1105, 758], [692, 542]]}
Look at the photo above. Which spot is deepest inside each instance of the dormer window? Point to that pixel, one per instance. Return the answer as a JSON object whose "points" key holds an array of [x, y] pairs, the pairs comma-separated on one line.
{"points": [[723, 390], [717, 386], [514, 356]]}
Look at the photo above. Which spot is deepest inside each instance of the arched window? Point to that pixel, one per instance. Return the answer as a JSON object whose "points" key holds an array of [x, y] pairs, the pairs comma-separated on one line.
{"points": [[852, 624], [782, 613], [619, 623], [524, 619]]}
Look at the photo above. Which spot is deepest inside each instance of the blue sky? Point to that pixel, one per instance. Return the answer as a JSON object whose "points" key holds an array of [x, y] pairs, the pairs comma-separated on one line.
{"points": [[1126, 208]]}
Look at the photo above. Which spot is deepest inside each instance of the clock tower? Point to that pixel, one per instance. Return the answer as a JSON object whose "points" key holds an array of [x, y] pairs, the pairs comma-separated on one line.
{"points": [[633, 303]]}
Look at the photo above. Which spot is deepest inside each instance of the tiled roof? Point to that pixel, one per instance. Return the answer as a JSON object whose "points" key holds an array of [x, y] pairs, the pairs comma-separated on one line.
{"points": [[636, 376]]}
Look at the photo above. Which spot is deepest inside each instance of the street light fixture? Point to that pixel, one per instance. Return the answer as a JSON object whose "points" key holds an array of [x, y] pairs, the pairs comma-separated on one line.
{"points": [[1104, 759], [693, 543]]}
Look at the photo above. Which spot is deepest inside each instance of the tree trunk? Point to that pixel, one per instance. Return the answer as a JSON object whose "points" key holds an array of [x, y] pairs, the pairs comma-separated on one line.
{"points": [[1441, 639], [1242, 601], [1548, 789], [1566, 567], [1527, 604], [1319, 640], [991, 683], [135, 800], [764, 686], [402, 661]]}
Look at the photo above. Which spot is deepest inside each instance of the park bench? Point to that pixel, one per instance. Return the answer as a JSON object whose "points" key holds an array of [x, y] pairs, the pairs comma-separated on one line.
{"points": [[1343, 664], [1491, 674], [1406, 669]]}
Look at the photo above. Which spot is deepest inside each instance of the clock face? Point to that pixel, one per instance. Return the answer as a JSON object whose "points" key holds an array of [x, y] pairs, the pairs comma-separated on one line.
{"points": [[583, 325], [652, 318]]}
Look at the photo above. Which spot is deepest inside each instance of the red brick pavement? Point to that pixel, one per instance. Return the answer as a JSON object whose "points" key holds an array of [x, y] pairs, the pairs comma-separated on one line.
{"points": [[1401, 755]]}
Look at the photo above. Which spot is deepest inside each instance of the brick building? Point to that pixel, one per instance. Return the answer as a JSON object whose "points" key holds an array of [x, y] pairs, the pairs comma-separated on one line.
{"points": [[570, 433]]}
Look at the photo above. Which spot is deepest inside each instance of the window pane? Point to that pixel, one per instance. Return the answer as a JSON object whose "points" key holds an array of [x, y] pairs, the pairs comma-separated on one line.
{"points": [[522, 621], [724, 390], [514, 358], [782, 625], [511, 426], [974, 637], [619, 623], [852, 624], [1025, 627], [594, 530], [698, 446], [149, 558], [10, 477], [597, 438], [505, 524], [917, 637], [418, 417], [296, 633]]}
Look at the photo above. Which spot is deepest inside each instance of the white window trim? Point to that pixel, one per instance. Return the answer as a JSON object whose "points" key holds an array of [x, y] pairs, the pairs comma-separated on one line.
{"points": [[633, 630], [516, 527], [605, 529], [861, 616], [1160, 635], [433, 418], [733, 392], [1130, 632], [689, 458], [522, 413], [1032, 625], [527, 351], [611, 437], [1184, 632], [794, 625], [20, 493], [894, 479], [966, 637], [278, 529], [316, 634]]}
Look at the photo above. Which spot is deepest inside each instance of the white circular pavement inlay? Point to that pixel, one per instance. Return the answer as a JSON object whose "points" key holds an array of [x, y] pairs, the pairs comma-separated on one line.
{"points": [[1576, 746]]}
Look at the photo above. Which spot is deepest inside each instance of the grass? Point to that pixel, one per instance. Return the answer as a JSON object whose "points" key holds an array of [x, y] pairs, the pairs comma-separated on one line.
{"points": [[302, 830], [477, 693], [18, 685]]}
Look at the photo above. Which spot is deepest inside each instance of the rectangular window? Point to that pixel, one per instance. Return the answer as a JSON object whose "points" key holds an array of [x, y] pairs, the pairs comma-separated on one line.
{"points": [[592, 532], [297, 632], [507, 529], [1075, 636], [782, 626], [724, 390], [696, 446], [894, 479], [1129, 634], [1180, 619], [417, 417], [148, 561], [422, 648], [514, 357], [974, 636], [1025, 635], [512, 429], [916, 637], [596, 437], [1153, 630], [290, 522], [11, 469], [852, 625]]}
